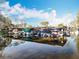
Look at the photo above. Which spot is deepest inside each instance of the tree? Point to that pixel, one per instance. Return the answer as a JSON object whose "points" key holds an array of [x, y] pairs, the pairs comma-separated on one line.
{"points": [[44, 23], [5, 24], [77, 19], [61, 25], [75, 24], [4, 21], [29, 26]]}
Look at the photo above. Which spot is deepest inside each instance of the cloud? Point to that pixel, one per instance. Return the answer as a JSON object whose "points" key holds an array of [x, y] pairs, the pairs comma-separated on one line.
{"points": [[21, 13], [32, 13], [5, 5], [2, 1], [28, 13], [66, 20]]}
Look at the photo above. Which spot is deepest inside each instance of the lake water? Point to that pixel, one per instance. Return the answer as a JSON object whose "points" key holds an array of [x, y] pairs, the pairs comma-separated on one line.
{"points": [[33, 50]]}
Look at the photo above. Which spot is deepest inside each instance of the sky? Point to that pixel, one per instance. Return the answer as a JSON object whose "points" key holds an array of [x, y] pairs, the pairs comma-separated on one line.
{"points": [[35, 11]]}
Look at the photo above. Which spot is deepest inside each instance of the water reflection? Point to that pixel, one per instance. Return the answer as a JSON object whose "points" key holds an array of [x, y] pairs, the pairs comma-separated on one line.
{"points": [[77, 41], [16, 43], [29, 50], [35, 50], [43, 41]]}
